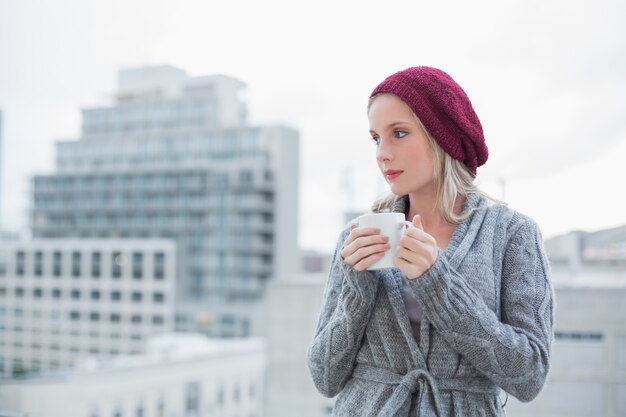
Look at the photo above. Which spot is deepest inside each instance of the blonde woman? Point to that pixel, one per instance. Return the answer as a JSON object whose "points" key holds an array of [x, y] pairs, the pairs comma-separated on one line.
{"points": [[468, 310]]}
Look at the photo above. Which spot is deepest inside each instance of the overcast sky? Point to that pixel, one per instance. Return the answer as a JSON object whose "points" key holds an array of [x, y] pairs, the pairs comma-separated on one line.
{"points": [[547, 79]]}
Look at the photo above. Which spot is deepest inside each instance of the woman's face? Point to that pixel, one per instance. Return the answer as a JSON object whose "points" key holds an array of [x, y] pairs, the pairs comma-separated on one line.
{"points": [[403, 153]]}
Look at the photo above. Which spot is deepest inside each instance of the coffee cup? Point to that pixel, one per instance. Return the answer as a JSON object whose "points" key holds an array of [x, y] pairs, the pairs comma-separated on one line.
{"points": [[392, 225]]}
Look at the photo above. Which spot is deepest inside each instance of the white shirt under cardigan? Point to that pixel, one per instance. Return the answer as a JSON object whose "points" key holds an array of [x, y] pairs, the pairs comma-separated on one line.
{"points": [[487, 324]]}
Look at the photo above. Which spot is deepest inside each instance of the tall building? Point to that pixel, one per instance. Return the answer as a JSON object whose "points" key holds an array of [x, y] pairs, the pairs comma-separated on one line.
{"points": [[174, 157], [65, 299], [176, 376]]}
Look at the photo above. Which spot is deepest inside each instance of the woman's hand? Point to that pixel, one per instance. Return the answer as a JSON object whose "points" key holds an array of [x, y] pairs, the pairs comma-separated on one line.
{"points": [[417, 251], [363, 247]]}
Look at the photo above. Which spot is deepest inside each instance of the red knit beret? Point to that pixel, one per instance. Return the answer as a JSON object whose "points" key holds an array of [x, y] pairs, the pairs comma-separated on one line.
{"points": [[444, 109]]}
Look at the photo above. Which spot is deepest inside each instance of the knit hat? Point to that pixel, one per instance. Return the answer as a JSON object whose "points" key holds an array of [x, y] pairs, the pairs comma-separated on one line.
{"points": [[444, 109]]}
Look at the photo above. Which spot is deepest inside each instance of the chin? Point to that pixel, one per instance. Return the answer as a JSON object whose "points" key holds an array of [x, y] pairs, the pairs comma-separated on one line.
{"points": [[396, 190]]}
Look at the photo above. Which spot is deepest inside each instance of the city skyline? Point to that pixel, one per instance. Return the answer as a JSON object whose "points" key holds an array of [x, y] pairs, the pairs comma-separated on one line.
{"points": [[549, 90]]}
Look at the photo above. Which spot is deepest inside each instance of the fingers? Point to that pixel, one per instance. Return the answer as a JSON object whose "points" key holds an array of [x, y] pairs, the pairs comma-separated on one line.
{"points": [[363, 254], [365, 263], [417, 222], [416, 253], [419, 235], [360, 231], [363, 247], [411, 270]]}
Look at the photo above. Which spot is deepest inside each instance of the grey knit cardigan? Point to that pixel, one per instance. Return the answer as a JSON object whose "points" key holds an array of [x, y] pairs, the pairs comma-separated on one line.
{"points": [[488, 324]]}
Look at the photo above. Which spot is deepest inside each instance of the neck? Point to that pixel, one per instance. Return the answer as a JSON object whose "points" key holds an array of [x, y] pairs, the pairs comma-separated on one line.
{"points": [[425, 204]]}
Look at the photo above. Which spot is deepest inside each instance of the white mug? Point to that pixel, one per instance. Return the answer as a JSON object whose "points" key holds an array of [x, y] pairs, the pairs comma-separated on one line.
{"points": [[392, 225]]}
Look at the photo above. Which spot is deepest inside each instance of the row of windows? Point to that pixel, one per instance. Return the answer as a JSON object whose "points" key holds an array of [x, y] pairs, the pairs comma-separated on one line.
{"points": [[57, 334], [72, 348], [117, 260], [120, 218], [94, 295], [579, 336], [75, 315], [194, 401], [178, 181], [119, 161]]}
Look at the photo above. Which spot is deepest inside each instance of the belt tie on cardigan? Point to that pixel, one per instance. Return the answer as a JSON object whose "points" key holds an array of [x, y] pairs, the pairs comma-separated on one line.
{"points": [[419, 381]]}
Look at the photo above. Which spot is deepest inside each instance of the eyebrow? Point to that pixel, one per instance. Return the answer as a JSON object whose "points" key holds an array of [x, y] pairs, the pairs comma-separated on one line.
{"points": [[392, 125]]}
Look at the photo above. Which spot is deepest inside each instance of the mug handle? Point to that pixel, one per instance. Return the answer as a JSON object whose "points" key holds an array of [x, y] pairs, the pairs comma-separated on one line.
{"points": [[405, 225]]}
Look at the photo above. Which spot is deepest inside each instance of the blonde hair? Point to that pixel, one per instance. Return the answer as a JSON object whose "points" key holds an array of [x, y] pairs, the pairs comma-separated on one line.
{"points": [[452, 178]]}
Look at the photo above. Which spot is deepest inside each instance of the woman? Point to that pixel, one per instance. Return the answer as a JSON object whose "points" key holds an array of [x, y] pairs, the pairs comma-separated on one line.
{"points": [[469, 309]]}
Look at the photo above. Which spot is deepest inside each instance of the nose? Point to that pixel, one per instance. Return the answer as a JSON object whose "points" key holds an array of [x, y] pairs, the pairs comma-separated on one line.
{"points": [[383, 152]]}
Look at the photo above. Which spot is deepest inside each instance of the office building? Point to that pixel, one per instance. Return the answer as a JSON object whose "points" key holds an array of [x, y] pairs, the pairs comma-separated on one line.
{"points": [[175, 158], [65, 299], [177, 376], [291, 310]]}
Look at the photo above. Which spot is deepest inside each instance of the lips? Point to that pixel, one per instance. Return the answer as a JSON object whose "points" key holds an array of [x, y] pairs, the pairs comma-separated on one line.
{"points": [[391, 174]]}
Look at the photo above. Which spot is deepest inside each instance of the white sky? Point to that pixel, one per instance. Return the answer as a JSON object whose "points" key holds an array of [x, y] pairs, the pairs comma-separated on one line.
{"points": [[547, 79]]}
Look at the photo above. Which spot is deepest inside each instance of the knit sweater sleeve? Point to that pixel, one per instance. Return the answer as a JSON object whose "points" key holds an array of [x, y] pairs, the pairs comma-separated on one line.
{"points": [[513, 350], [348, 302]]}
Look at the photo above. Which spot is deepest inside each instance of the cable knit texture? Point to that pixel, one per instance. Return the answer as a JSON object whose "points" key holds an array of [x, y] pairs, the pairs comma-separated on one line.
{"points": [[488, 310]]}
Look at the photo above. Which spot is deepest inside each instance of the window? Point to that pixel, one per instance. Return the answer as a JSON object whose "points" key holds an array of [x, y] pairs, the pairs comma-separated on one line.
{"points": [[158, 297], [37, 293], [56, 264], [158, 320], [3, 265], [76, 294], [56, 293], [136, 296], [95, 264], [74, 315], [161, 407], [135, 318], [116, 295], [236, 394], [192, 398], [19, 263], [115, 318], [137, 265], [245, 177], [76, 264], [159, 265], [95, 295], [94, 316], [117, 260], [38, 263]]}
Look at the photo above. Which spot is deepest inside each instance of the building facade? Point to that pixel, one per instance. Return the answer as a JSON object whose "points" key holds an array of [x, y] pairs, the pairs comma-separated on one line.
{"points": [[177, 376], [175, 158], [290, 314], [64, 299]]}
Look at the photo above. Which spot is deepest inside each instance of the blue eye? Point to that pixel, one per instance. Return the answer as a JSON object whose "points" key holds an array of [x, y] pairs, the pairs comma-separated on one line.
{"points": [[400, 133], [375, 139]]}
